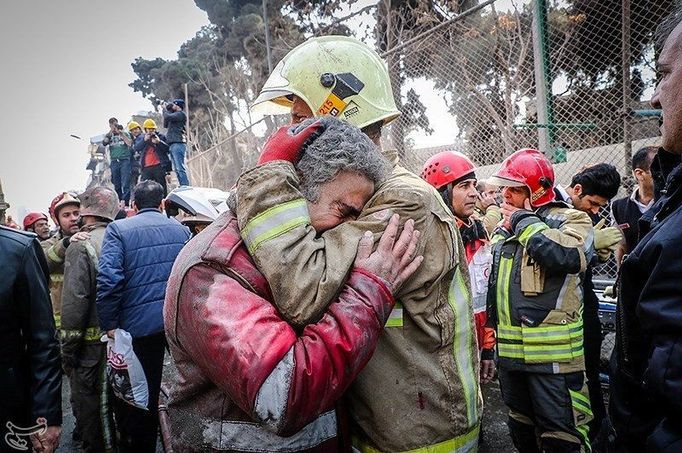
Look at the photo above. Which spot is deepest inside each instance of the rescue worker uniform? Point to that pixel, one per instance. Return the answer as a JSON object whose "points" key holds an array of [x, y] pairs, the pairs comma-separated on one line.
{"points": [[247, 380], [535, 300], [479, 258], [55, 251], [490, 217], [83, 354], [421, 388]]}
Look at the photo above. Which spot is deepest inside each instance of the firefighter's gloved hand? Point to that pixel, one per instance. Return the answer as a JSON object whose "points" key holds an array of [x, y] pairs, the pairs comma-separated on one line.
{"points": [[288, 142], [394, 260], [607, 238], [608, 292]]}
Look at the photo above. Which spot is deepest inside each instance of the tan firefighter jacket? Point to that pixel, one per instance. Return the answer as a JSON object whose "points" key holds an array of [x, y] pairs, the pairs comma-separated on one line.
{"points": [[490, 217], [54, 253], [536, 289], [421, 387], [80, 335]]}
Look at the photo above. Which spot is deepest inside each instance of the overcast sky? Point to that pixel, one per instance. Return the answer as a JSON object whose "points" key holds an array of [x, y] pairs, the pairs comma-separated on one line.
{"points": [[65, 70]]}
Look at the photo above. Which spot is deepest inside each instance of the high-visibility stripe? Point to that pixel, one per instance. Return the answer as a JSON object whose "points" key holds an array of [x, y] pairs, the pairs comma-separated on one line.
{"points": [[57, 278], [581, 402], [458, 298], [52, 255], [465, 443], [531, 230], [57, 320], [510, 350], [274, 222], [395, 319], [503, 281], [90, 334], [541, 344], [105, 416]]}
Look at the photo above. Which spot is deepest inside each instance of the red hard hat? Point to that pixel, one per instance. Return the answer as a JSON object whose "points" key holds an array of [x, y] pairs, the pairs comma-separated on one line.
{"points": [[61, 200], [530, 168], [446, 167], [33, 217]]}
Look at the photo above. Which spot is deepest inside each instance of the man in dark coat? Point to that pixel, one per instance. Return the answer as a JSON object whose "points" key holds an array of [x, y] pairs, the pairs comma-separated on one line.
{"points": [[30, 367], [646, 391]]}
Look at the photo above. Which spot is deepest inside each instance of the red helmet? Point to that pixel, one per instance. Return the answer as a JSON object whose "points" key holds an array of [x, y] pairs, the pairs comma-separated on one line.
{"points": [[530, 168], [446, 167], [33, 217], [60, 201]]}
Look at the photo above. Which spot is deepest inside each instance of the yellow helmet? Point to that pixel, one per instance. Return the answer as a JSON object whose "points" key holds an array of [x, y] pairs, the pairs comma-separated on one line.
{"points": [[133, 125], [335, 75], [149, 124]]}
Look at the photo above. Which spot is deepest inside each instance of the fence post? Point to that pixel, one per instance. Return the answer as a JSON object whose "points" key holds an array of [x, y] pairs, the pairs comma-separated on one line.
{"points": [[543, 94], [627, 87]]}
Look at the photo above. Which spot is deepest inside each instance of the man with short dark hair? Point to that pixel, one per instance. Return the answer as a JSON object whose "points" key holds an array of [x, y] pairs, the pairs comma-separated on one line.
{"points": [[591, 189], [646, 380], [175, 120], [119, 143], [136, 260], [625, 212]]}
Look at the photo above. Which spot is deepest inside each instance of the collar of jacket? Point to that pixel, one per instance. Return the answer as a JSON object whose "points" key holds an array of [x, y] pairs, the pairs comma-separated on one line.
{"points": [[663, 165], [142, 211], [94, 225]]}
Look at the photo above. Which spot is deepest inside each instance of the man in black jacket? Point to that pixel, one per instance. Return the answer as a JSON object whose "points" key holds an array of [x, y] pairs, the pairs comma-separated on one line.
{"points": [[30, 367], [646, 391], [175, 119]]}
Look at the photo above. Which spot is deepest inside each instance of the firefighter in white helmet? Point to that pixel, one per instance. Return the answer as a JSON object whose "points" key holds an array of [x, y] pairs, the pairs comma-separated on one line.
{"points": [[420, 389]]}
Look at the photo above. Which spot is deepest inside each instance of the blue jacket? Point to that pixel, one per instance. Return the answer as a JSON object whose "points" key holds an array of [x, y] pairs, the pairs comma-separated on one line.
{"points": [[136, 261]]}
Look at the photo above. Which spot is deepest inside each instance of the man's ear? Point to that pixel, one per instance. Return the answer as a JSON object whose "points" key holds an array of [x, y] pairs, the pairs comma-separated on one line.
{"points": [[162, 206], [135, 207], [577, 190]]}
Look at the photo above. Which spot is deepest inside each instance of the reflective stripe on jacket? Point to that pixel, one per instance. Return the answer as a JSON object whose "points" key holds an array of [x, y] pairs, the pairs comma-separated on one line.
{"points": [[536, 292], [54, 253], [428, 353]]}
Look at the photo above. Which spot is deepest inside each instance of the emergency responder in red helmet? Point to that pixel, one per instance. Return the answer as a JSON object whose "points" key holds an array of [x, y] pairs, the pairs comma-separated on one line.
{"points": [[539, 256], [36, 222], [453, 175], [342, 77]]}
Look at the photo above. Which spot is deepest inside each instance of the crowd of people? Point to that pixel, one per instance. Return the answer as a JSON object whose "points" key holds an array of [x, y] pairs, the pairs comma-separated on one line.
{"points": [[343, 303], [143, 153]]}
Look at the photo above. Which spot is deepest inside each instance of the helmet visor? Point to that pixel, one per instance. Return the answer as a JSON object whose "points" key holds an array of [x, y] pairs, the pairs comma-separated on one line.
{"points": [[501, 181]]}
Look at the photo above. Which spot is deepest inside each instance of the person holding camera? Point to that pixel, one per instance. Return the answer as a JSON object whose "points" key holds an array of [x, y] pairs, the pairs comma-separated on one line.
{"points": [[153, 151], [119, 143], [175, 119]]}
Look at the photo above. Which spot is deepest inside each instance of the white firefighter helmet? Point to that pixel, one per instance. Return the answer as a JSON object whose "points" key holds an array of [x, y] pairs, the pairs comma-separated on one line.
{"points": [[335, 75], [192, 205]]}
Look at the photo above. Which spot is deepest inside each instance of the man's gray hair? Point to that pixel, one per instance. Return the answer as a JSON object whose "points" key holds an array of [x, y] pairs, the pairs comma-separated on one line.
{"points": [[341, 147], [668, 25]]}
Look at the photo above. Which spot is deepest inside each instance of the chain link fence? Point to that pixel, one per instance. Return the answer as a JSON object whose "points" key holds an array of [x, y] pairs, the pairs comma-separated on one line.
{"points": [[572, 78]]}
